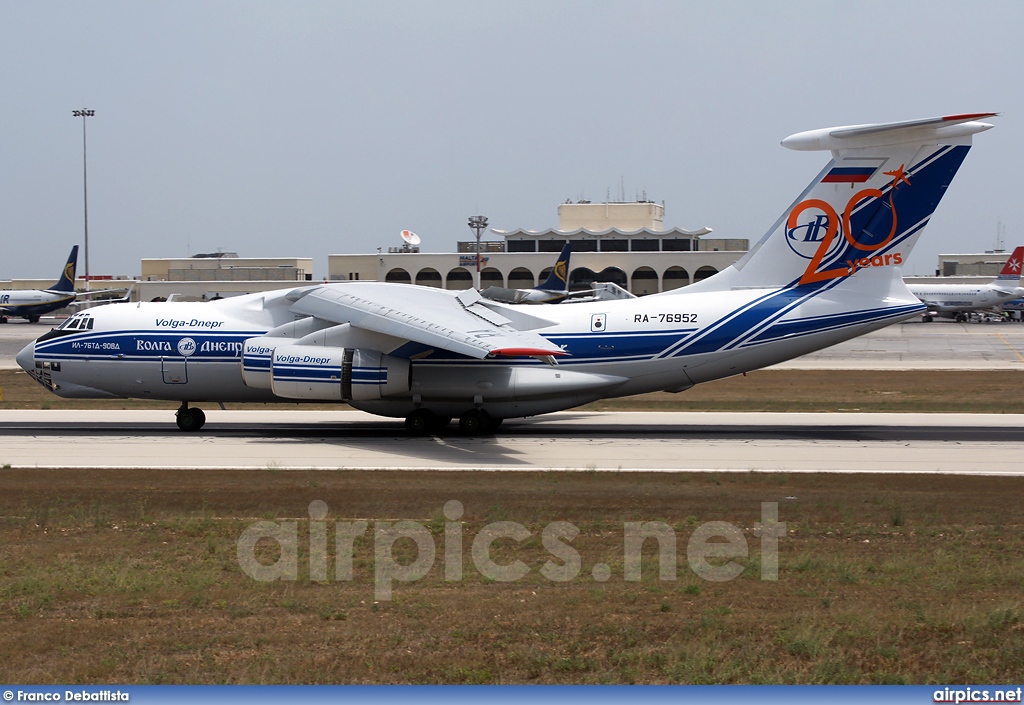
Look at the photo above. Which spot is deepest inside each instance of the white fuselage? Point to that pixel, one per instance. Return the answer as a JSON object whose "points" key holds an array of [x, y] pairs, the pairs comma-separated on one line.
{"points": [[193, 351], [963, 297], [32, 303]]}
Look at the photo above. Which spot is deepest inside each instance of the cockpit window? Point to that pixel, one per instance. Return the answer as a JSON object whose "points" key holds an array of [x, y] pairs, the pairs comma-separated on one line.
{"points": [[77, 322]]}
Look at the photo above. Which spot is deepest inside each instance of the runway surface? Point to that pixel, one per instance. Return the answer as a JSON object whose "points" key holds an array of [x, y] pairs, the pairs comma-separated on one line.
{"points": [[941, 345], [945, 443], [582, 441]]}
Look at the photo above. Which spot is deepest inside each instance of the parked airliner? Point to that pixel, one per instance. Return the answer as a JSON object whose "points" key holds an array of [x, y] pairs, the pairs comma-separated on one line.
{"points": [[554, 289], [828, 270], [956, 300], [33, 303]]}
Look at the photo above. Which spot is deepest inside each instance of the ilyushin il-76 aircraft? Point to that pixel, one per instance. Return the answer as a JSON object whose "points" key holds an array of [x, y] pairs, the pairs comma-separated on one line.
{"points": [[827, 270]]}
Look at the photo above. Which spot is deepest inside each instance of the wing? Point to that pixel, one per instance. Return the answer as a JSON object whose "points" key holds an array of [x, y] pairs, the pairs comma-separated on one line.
{"points": [[457, 322]]}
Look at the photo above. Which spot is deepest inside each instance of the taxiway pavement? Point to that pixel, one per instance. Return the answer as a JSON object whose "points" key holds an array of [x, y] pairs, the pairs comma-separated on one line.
{"points": [[573, 441]]}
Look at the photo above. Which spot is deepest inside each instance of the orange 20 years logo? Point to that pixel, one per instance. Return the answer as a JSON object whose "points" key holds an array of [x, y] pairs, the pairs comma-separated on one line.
{"points": [[811, 274]]}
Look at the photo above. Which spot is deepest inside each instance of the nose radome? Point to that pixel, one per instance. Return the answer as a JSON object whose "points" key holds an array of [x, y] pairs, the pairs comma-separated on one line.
{"points": [[27, 357]]}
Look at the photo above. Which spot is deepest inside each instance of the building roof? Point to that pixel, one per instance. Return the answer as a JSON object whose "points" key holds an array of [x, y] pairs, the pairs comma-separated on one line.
{"points": [[583, 233]]}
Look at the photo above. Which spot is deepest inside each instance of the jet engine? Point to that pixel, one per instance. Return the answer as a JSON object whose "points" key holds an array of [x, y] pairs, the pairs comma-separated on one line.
{"points": [[313, 372]]}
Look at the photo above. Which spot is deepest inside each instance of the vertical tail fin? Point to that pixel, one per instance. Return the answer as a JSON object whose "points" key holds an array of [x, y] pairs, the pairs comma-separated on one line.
{"points": [[1010, 274], [866, 208], [558, 280], [66, 282]]}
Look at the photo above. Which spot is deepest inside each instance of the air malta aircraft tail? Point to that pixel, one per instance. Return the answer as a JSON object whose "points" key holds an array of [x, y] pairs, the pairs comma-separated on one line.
{"points": [[857, 221], [66, 283], [1009, 277]]}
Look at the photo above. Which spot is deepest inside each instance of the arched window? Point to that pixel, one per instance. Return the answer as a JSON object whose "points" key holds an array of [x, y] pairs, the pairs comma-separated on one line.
{"points": [[459, 278], [489, 276], [521, 278], [581, 278], [645, 281], [399, 276], [428, 276], [613, 274], [674, 278], [704, 272]]}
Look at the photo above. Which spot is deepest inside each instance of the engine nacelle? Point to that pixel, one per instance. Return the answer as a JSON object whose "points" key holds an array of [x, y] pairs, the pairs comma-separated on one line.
{"points": [[316, 372], [375, 375], [307, 372], [256, 357]]}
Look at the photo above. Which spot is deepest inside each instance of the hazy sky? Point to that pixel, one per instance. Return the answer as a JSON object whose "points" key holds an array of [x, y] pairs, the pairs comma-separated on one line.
{"points": [[309, 128]]}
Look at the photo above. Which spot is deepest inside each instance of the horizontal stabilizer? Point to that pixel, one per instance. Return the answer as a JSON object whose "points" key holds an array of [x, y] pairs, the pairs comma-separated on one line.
{"points": [[889, 133]]}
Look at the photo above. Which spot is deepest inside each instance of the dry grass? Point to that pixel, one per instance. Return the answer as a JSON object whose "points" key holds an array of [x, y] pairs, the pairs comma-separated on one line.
{"points": [[132, 577], [764, 390]]}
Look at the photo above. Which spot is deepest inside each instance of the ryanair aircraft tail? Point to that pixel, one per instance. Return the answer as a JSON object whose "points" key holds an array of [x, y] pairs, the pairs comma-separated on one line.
{"points": [[66, 283], [861, 216], [558, 280]]}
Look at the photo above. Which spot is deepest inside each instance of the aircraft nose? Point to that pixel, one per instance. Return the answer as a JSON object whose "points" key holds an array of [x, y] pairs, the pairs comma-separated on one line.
{"points": [[27, 357]]}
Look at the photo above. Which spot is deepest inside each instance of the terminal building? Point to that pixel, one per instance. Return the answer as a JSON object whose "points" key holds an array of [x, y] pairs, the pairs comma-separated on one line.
{"points": [[218, 275], [621, 242], [984, 264]]}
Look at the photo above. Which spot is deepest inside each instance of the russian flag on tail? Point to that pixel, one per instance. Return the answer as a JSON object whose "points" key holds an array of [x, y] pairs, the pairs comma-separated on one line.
{"points": [[849, 175]]}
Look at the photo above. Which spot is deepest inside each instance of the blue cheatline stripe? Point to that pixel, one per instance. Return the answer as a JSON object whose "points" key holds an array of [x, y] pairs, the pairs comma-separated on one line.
{"points": [[714, 329], [106, 355], [308, 374], [732, 329], [369, 376], [643, 343], [309, 380], [821, 324], [125, 343]]}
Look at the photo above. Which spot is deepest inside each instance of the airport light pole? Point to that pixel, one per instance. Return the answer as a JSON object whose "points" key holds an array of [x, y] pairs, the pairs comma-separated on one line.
{"points": [[478, 223], [85, 192]]}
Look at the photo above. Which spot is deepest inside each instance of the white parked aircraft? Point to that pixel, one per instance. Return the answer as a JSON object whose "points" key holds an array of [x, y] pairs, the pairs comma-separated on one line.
{"points": [[826, 271], [553, 290], [33, 303], [955, 300]]}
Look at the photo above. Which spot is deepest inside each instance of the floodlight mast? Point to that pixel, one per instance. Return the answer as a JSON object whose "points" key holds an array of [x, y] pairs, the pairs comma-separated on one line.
{"points": [[478, 223], [85, 192]]}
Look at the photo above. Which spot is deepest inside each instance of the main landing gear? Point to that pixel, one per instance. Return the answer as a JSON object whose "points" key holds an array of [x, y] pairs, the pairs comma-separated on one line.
{"points": [[478, 422], [474, 423], [190, 419]]}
